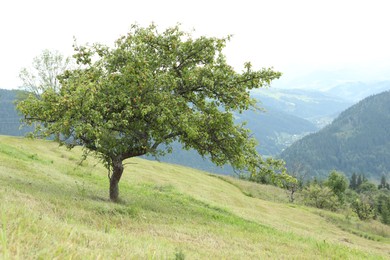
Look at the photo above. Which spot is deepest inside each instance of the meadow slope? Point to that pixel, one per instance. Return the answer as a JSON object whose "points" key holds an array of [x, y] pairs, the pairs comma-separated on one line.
{"points": [[52, 207]]}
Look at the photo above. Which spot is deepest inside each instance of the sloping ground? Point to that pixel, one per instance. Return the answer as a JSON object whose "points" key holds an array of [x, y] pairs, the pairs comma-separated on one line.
{"points": [[52, 207]]}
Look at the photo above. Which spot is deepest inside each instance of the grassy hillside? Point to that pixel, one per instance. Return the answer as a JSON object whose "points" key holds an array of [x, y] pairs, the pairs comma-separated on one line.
{"points": [[54, 208]]}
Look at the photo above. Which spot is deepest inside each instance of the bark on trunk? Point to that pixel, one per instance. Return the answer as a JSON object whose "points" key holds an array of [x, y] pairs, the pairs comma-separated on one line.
{"points": [[117, 170]]}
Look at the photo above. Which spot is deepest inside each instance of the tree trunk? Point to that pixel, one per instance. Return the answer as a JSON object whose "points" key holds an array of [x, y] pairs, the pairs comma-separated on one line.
{"points": [[117, 170], [292, 195]]}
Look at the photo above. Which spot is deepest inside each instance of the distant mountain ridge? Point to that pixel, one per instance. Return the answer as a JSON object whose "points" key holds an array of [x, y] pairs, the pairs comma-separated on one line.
{"points": [[357, 141], [356, 91], [320, 108], [9, 117]]}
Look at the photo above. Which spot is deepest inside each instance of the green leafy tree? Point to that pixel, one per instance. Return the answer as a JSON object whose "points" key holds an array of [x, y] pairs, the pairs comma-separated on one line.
{"points": [[364, 207], [383, 207], [367, 188], [350, 196], [360, 180], [353, 182], [151, 89], [338, 183], [296, 181], [383, 184], [320, 197], [274, 173]]}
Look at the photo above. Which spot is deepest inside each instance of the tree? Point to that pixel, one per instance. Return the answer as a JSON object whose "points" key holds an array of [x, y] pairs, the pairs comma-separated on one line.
{"points": [[44, 72], [294, 184], [364, 207], [274, 173], [383, 184], [151, 89], [353, 182], [367, 187], [383, 206], [320, 197], [360, 180], [338, 183]]}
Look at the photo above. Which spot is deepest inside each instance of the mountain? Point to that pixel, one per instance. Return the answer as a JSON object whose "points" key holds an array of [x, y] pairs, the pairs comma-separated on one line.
{"points": [[356, 91], [319, 80], [274, 129], [318, 107], [325, 79], [357, 141], [9, 118]]}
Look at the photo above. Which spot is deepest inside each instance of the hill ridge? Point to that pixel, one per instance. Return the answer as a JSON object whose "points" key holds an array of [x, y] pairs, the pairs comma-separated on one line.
{"points": [[356, 141]]}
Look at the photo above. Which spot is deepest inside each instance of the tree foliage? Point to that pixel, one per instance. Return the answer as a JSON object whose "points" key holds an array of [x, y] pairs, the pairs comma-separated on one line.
{"points": [[44, 72], [383, 206], [320, 197], [364, 207], [384, 184], [338, 183], [363, 197], [151, 89]]}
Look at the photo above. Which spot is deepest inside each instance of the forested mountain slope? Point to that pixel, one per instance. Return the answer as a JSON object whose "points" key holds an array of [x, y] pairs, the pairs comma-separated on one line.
{"points": [[9, 118], [356, 91], [357, 141]]}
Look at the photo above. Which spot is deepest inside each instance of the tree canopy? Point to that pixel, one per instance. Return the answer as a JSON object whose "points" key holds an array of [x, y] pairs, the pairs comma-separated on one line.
{"points": [[151, 89], [44, 72]]}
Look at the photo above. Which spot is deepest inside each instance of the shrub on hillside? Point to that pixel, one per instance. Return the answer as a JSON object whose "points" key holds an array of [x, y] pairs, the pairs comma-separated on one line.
{"points": [[320, 197]]}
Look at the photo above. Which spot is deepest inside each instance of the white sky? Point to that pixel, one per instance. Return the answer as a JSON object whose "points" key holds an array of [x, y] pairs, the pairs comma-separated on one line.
{"points": [[289, 35]]}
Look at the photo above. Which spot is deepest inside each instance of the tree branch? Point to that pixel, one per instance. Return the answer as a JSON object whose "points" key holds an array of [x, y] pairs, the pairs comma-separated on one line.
{"points": [[171, 135]]}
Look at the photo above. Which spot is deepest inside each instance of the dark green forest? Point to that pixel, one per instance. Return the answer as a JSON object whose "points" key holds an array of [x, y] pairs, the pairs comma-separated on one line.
{"points": [[358, 141]]}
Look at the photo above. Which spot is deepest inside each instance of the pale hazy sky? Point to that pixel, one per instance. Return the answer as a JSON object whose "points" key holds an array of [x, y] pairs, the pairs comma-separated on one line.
{"points": [[289, 35]]}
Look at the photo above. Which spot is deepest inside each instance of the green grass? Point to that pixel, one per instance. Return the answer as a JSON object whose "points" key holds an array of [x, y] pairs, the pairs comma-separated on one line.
{"points": [[51, 207]]}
